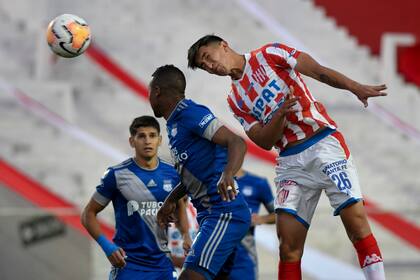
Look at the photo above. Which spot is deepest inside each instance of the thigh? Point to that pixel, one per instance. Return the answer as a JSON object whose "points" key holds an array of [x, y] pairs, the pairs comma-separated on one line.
{"points": [[217, 239], [339, 175], [290, 231], [296, 198]]}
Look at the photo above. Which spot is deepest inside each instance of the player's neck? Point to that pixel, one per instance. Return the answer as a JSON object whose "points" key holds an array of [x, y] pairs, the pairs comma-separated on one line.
{"points": [[237, 70], [146, 163], [171, 107]]}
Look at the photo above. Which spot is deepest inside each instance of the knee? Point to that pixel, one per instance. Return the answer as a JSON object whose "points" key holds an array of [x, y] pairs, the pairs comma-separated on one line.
{"points": [[290, 252]]}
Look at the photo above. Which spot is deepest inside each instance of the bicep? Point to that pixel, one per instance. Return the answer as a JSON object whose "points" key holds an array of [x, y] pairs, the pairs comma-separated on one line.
{"points": [[255, 132], [308, 66], [94, 207], [223, 136]]}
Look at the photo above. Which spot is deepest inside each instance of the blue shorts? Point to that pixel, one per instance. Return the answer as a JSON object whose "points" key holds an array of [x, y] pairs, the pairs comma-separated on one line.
{"points": [[129, 274], [245, 265], [213, 249]]}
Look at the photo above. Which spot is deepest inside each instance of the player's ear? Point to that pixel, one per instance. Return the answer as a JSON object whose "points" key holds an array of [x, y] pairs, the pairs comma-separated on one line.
{"points": [[224, 44], [157, 91], [160, 140], [131, 141]]}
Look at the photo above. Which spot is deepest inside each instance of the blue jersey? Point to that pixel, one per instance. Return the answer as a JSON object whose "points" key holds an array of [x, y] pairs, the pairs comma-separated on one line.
{"points": [[199, 161], [256, 191], [137, 195]]}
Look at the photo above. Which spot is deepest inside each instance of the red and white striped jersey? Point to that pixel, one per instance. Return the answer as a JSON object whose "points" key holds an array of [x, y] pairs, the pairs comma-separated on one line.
{"points": [[268, 74]]}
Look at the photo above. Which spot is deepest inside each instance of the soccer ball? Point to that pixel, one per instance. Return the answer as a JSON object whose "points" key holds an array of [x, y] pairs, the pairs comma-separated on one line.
{"points": [[68, 35]]}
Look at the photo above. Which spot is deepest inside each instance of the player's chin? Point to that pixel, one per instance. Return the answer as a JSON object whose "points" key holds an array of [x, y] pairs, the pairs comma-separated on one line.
{"points": [[148, 153]]}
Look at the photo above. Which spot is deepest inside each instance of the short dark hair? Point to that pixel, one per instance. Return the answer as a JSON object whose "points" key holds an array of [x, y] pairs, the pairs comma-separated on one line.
{"points": [[144, 121], [169, 78], [203, 41]]}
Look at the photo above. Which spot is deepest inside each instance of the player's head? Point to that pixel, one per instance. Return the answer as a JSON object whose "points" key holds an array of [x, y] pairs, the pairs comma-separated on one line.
{"points": [[212, 54], [145, 137], [166, 87]]}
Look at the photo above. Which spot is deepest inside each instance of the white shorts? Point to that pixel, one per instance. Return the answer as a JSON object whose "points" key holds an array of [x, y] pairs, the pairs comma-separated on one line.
{"points": [[300, 178]]}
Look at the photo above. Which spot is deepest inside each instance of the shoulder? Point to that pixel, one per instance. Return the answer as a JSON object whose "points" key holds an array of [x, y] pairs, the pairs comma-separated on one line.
{"points": [[166, 164], [193, 108], [121, 165]]}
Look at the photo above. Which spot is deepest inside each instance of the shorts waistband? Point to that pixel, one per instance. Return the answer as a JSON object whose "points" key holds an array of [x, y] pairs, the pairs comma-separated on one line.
{"points": [[308, 143]]}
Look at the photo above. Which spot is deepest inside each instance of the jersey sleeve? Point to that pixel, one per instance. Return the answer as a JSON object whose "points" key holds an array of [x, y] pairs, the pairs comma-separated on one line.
{"points": [[283, 56], [267, 196], [245, 119], [202, 121], [107, 189]]}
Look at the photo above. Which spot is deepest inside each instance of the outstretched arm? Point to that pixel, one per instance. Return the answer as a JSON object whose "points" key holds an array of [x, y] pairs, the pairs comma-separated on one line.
{"points": [[310, 67]]}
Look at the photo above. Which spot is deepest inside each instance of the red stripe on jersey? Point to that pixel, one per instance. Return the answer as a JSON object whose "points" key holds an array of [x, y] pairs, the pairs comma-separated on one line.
{"points": [[267, 110], [278, 98], [337, 135], [249, 90], [308, 93], [323, 112], [247, 117], [277, 59], [239, 100]]}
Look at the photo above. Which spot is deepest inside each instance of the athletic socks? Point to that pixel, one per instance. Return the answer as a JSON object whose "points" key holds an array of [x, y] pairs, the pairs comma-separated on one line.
{"points": [[370, 258], [289, 271]]}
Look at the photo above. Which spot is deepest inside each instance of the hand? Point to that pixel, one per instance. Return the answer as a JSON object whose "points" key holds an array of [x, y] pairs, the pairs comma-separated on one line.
{"points": [[226, 187], [256, 220], [186, 245], [117, 258], [291, 100], [363, 92], [166, 214]]}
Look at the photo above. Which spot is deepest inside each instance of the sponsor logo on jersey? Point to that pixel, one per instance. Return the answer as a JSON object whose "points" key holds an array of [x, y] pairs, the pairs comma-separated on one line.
{"points": [[151, 183], [144, 208], [167, 185], [207, 118], [178, 157], [267, 95], [374, 258]]}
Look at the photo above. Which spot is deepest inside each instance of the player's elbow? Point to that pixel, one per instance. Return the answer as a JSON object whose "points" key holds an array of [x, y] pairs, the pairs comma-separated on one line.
{"points": [[263, 143], [86, 216], [266, 146]]}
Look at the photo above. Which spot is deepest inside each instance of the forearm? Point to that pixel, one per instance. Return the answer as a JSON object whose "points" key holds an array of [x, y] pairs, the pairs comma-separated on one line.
{"points": [[236, 154], [335, 79], [182, 222], [177, 193], [268, 219], [91, 224], [266, 136]]}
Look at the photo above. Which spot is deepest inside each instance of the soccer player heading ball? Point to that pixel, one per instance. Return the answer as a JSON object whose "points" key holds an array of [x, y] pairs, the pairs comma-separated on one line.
{"points": [[275, 107]]}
